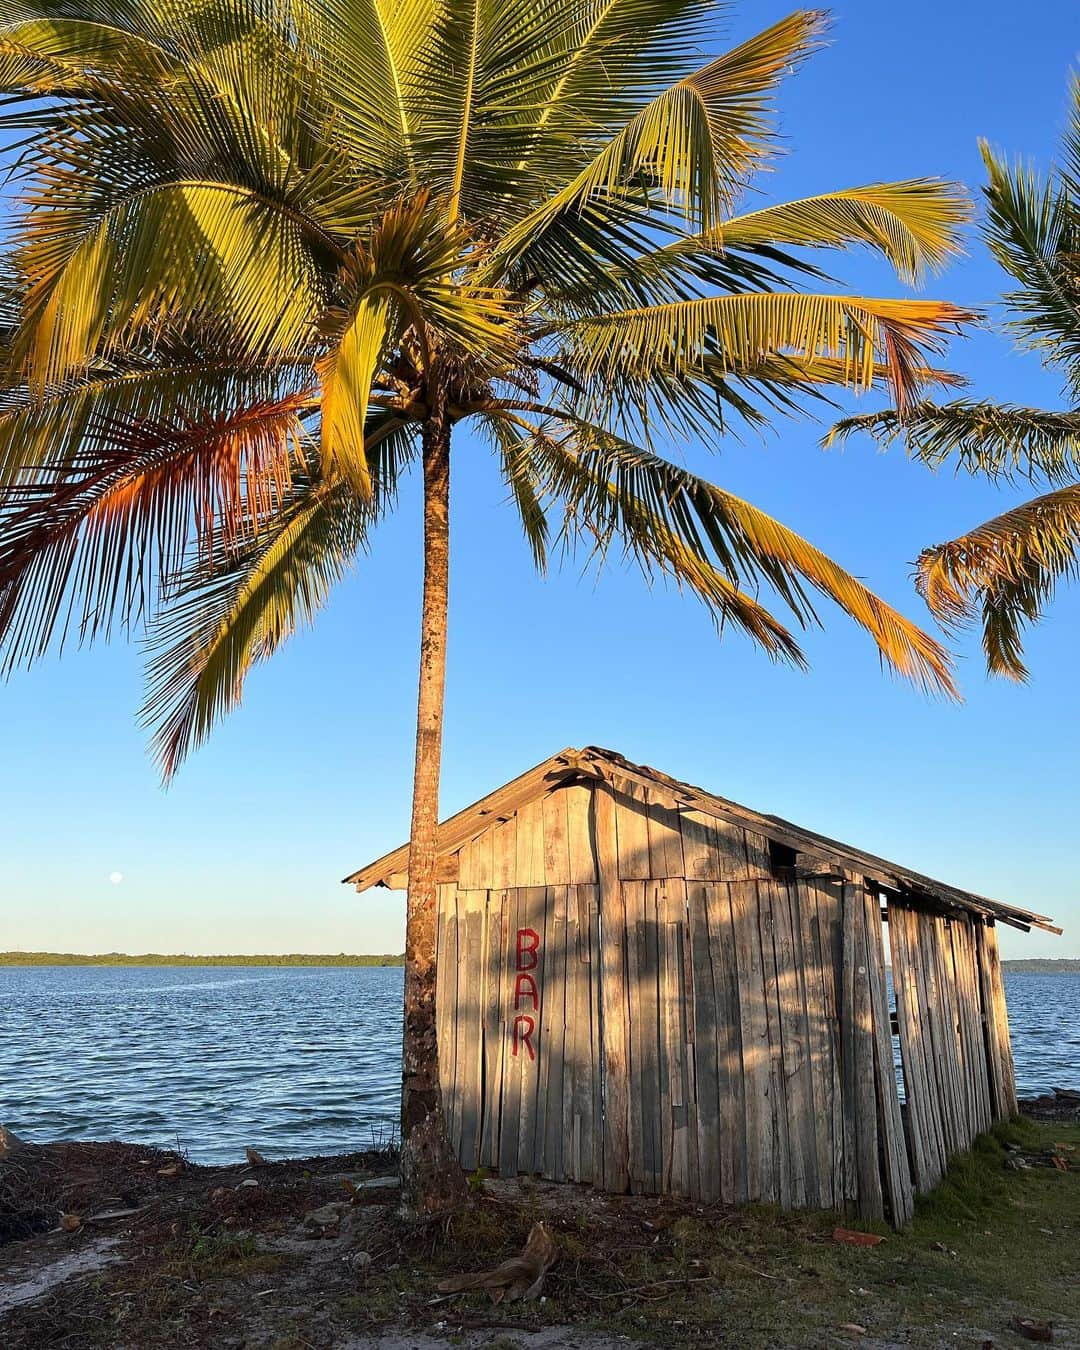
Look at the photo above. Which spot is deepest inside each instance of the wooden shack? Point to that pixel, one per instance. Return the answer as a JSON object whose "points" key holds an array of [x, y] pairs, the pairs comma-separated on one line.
{"points": [[649, 988]]}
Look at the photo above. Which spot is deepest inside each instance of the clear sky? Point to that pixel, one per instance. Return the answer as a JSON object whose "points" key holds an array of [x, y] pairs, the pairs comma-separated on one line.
{"points": [[311, 778]]}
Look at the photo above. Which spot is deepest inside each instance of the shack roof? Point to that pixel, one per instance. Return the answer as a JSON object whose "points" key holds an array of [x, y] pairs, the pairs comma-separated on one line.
{"points": [[594, 762]]}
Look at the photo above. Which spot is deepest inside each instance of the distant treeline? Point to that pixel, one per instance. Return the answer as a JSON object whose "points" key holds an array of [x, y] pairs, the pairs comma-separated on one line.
{"points": [[1067, 965], [156, 959]]}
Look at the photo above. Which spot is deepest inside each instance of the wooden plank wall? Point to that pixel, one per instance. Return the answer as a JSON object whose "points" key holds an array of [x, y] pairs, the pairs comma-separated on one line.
{"points": [[698, 1025], [954, 1039], [524, 1100]]}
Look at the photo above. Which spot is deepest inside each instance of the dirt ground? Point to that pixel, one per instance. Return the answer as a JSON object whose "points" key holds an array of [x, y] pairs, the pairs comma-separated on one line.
{"points": [[119, 1247]]}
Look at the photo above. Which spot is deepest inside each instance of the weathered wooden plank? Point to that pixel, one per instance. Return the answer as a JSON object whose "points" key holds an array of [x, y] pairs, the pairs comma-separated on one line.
{"points": [[917, 1106], [938, 1078], [530, 844], [686, 983], [768, 894], [556, 1070], [671, 916], [823, 899], [701, 857], [581, 901], [895, 1170], [632, 831], [1001, 1022], [706, 1073], [819, 1084], [448, 1045], [943, 1010], [932, 1076], [729, 841], [556, 840], [652, 1109], [971, 1046], [613, 994], [547, 981], [795, 1039], [754, 1030], [595, 968], [579, 833], [731, 1128], [471, 1016], [475, 862], [979, 1067], [758, 863], [494, 1029], [871, 1199], [504, 853], [634, 902], [531, 1047], [998, 1104], [665, 835], [848, 1039], [510, 1113]]}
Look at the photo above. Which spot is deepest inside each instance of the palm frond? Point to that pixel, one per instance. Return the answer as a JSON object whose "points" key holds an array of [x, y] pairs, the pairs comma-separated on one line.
{"points": [[1005, 572], [913, 224], [594, 472], [690, 149], [222, 618], [231, 260], [999, 440], [88, 544], [1033, 229], [870, 337]]}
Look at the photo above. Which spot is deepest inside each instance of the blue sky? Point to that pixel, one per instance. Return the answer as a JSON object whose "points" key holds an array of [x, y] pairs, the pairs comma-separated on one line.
{"points": [[311, 777]]}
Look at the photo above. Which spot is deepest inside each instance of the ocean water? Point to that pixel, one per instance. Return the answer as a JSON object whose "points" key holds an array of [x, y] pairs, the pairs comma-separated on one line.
{"points": [[292, 1061]]}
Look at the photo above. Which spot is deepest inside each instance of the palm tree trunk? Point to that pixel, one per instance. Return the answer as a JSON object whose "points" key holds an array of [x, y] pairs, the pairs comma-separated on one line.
{"points": [[432, 1180]]}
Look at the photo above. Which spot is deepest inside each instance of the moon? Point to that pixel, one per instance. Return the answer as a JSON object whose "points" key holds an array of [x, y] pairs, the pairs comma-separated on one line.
{"points": [[116, 878]]}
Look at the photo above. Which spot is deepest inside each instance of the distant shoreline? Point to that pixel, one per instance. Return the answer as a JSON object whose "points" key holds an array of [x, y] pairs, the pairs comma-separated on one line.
{"points": [[1035, 966], [157, 959]]}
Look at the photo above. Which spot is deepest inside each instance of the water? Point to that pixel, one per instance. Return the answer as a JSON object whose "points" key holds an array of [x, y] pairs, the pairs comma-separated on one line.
{"points": [[292, 1061]]}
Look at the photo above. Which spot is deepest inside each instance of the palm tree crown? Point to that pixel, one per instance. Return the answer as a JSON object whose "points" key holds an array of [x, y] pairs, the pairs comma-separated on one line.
{"points": [[263, 243], [1002, 574]]}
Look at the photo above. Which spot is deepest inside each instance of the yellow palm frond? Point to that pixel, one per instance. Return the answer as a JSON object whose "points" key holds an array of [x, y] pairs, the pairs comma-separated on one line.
{"points": [[347, 373], [691, 147], [1004, 572], [594, 471], [913, 224], [869, 336], [231, 259]]}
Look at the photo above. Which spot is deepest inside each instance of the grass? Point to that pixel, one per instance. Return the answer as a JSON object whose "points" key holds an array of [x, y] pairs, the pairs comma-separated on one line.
{"points": [[988, 1245]]}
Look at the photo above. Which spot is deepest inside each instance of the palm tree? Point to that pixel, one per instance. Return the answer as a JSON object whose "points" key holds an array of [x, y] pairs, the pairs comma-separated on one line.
{"points": [[1004, 572], [271, 253]]}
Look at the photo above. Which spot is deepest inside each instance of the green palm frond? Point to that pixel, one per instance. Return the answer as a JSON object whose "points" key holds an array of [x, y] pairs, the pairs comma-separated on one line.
{"points": [[1003, 573], [1033, 229], [204, 643], [260, 248], [690, 149], [231, 261], [996, 439]]}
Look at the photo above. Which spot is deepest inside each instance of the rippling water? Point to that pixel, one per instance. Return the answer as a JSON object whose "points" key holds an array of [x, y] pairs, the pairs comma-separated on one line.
{"points": [[292, 1061]]}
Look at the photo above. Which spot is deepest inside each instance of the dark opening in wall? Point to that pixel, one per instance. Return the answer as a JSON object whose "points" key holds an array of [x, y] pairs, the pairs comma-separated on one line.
{"points": [[782, 860]]}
